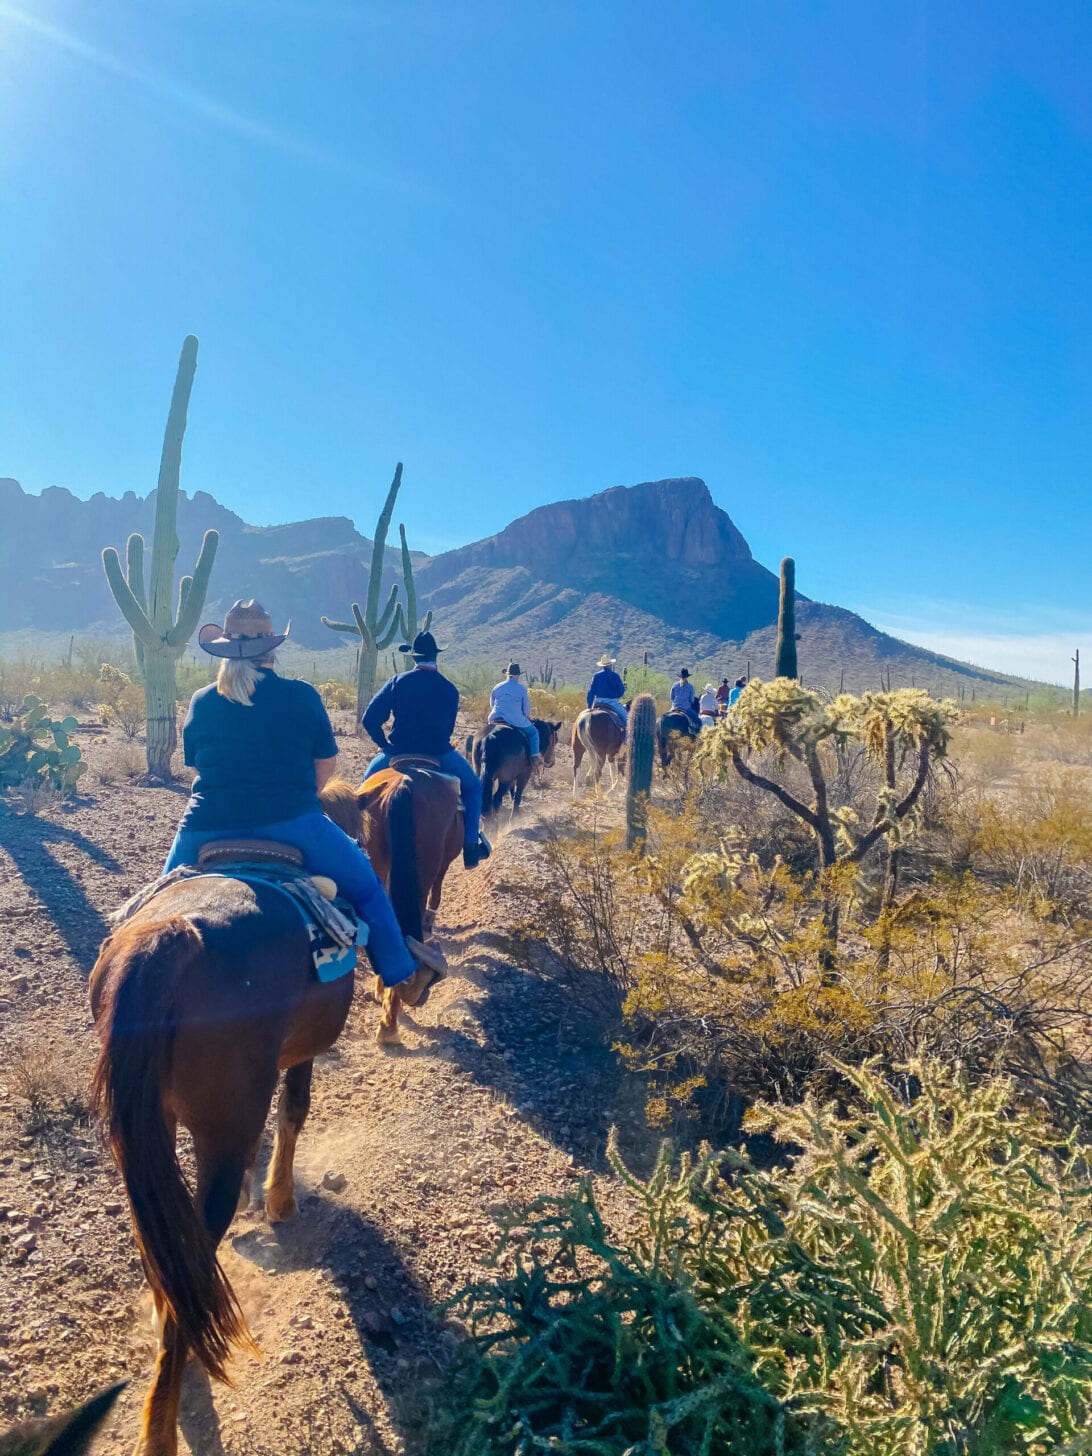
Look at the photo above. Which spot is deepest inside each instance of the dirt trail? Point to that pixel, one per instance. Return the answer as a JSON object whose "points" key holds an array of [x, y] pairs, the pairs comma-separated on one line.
{"points": [[497, 1096]]}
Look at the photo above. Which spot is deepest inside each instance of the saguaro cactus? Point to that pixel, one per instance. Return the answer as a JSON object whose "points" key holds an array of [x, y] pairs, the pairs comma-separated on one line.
{"points": [[160, 631], [639, 760], [376, 629], [785, 660], [409, 615]]}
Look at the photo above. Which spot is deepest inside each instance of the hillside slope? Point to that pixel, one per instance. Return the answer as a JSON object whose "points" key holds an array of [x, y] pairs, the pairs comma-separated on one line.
{"points": [[655, 570]]}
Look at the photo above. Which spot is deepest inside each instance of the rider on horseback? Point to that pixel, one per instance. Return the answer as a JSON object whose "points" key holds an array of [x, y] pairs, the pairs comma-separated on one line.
{"points": [[424, 704], [262, 746], [606, 689], [510, 703], [684, 699]]}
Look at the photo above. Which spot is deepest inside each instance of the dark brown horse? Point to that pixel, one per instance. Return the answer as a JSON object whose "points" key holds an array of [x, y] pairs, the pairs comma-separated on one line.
{"points": [[200, 999], [409, 820], [502, 758], [675, 727], [597, 733]]}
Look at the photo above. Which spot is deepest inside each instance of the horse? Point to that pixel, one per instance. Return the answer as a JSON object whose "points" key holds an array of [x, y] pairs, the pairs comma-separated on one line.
{"points": [[674, 724], [501, 756], [598, 733], [409, 820], [65, 1435], [201, 998]]}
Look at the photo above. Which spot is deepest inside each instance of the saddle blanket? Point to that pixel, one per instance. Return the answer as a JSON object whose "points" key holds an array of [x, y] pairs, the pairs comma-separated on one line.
{"points": [[333, 928]]}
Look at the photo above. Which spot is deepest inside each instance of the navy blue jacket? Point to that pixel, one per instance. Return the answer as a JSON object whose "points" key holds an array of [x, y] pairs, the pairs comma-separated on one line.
{"points": [[605, 684], [423, 703]]}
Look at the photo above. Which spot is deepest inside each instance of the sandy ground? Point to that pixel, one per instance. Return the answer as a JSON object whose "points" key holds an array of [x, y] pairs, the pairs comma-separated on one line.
{"points": [[497, 1096]]}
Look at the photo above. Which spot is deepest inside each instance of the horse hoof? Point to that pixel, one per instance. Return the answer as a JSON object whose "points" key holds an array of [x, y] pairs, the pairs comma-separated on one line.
{"points": [[279, 1210], [388, 1036]]}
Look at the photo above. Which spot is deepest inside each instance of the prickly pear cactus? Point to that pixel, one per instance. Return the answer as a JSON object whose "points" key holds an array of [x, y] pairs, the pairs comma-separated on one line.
{"points": [[37, 747]]}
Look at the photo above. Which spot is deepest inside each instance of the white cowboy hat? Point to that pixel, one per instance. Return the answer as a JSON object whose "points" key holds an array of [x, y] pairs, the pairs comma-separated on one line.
{"points": [[606, 661], [708, 688]]}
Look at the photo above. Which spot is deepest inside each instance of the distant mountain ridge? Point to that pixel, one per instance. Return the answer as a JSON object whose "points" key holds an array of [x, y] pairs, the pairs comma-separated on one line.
{"points": [[656, 569]]}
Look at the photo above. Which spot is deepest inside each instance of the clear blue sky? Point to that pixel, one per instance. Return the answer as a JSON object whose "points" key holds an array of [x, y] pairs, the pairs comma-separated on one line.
{"points": [[832, 257]]}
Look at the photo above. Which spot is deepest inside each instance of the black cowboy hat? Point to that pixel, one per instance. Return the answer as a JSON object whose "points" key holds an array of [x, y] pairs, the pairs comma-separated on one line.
{"points": [[422, 649], [513, 669], [684, 672]]}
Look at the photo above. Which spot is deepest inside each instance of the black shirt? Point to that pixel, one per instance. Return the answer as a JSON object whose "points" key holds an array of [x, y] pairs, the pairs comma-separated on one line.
{"points": [[424, 704], [255, 765]]}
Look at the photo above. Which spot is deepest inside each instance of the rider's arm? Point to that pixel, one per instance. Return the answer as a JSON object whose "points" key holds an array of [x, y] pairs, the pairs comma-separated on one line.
{"points": [[376, 714], [591, 691], [324, 771]]}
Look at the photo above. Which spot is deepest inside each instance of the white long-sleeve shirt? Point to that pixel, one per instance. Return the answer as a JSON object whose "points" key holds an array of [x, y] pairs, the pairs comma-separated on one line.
{"points": [[510, 702]]}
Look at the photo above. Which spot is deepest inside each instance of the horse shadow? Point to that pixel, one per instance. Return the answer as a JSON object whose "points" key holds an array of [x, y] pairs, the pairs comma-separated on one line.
{"points": [[391, 1316], [555, 1063], [26, 840]]}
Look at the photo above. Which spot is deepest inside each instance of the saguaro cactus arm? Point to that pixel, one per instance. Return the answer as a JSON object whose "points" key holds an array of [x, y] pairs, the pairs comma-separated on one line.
{"points": [[382, 526], [131, 608], [192, 591], [165, 535]]}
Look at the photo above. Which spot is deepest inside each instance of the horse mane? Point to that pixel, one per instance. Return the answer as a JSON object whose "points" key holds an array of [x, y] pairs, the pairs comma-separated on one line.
{"points": [[339, 803]]}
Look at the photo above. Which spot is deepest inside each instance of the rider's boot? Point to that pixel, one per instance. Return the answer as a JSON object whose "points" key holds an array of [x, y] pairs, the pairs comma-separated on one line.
{"points": [[473, 854]]}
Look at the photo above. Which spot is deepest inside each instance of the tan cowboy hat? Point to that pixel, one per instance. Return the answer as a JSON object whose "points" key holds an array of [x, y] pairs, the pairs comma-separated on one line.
{"points": [[247, 633], [606, 661]]}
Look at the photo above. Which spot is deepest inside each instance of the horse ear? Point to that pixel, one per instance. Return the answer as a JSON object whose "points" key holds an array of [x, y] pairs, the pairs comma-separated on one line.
{"points": [[69, 1435], [369, 794], [556, 727]]}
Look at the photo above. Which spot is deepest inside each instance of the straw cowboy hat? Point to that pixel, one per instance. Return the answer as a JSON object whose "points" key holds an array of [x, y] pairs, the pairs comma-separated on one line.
{"points": [[708, 688], [247, 633], [606, 661]]}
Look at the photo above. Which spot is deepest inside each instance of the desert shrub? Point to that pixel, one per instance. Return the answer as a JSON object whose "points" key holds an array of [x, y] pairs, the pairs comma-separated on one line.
{"points": [[18, 680], [337, 696], [191, 675], [1038, 839], [41, 1082], [642, 679], [115, 763], [916, 1278], [122, 701]]}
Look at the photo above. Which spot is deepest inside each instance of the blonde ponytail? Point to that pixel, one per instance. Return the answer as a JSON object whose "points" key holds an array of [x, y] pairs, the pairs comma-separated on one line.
{"points": [[238, 678]]}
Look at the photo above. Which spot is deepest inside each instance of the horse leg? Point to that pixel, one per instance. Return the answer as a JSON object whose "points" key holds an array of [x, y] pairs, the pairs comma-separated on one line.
{"points": [[386, 1033], [578, 754], [248, 1177], [488, 805], [292, 1108]]}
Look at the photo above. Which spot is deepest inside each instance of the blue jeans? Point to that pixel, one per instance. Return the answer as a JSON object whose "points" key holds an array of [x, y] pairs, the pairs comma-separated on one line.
{"points": [[452, 762], [528, 729], [327, 850]]}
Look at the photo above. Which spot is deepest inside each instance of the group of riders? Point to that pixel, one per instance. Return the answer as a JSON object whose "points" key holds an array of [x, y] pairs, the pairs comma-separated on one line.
{"points": [[263, 747]]}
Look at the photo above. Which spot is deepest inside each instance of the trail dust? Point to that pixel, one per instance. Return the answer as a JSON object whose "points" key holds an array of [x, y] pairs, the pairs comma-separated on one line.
{"points": [[410, 1155]]}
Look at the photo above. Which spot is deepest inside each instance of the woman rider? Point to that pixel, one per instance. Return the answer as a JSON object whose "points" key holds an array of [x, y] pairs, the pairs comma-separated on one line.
{"points": [[262, 746]]}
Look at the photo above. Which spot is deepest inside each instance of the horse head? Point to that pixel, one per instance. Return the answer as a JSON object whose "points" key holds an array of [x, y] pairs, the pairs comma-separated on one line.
{"points": [[547, 740]]}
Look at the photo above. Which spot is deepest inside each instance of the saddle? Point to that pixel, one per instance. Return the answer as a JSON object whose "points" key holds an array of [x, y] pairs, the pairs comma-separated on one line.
{"points": [[251, 851], [406, 761]]}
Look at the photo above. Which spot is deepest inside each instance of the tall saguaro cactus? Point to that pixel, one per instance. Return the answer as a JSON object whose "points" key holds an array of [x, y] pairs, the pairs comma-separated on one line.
{"points": [[161, 630], [409, 615], [785, 659], [639, 760], [378, 629]]}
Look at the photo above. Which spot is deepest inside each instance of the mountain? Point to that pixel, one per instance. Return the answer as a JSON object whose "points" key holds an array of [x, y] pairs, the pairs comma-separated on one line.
{"points": [[654, 571]]}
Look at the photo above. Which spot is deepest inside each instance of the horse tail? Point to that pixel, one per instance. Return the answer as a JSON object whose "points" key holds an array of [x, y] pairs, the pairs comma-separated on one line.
{"points": [[141, 966], [404, 882]]}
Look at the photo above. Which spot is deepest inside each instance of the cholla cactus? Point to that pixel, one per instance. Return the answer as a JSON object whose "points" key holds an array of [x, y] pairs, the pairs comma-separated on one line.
{"points": [[160, 630]]}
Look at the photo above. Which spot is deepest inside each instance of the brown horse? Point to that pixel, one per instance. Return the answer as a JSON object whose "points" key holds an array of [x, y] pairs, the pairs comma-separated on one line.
{"points": [[409, 820], [502, 758], [200, 998], [597, 733]]}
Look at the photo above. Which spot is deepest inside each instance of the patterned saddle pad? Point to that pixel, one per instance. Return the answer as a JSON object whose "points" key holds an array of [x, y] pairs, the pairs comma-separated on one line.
{"points": [[333, 928]]}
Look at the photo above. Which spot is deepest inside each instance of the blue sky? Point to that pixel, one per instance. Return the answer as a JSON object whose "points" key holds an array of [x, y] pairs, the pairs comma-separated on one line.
{"points": [[833, 258]]}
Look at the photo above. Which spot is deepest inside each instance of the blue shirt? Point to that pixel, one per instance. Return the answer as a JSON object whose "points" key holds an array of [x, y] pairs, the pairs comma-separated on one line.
{"points": [[606, 684], [683, 695], [255, 765], [423, 704]]}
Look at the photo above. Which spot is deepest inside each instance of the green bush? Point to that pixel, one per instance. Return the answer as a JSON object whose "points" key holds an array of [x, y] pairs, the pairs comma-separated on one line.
{"points": [[916, 1282]]}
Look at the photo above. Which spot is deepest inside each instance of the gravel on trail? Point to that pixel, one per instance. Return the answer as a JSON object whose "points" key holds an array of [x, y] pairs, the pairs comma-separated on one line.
{"points": [[499, 1094]]}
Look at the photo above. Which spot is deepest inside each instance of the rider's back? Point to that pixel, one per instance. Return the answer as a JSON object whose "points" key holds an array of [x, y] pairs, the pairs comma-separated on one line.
{"points": [[255, 763], [424, 704]]}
